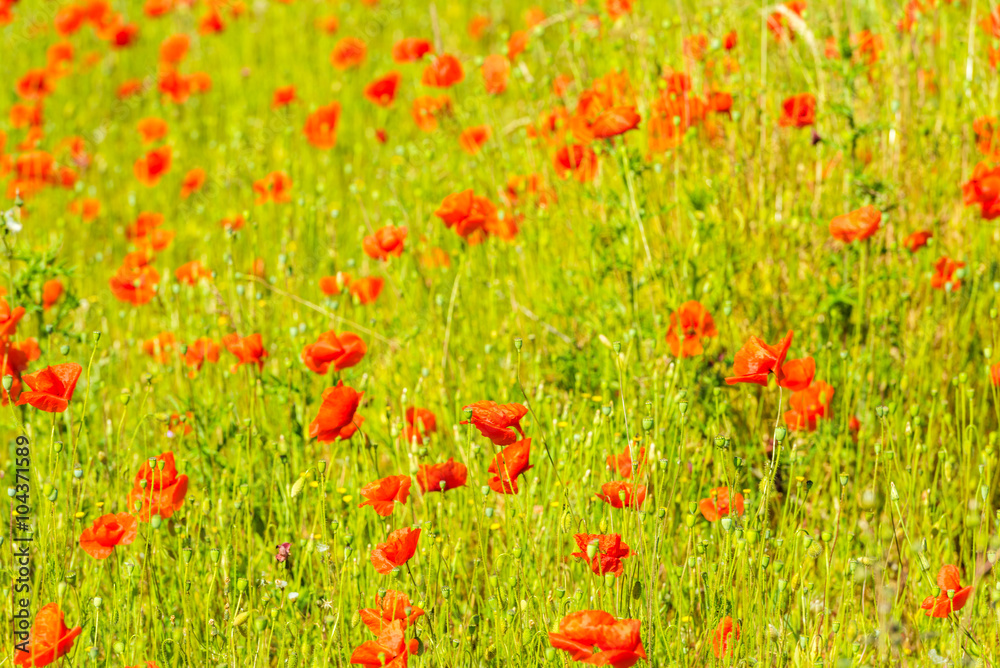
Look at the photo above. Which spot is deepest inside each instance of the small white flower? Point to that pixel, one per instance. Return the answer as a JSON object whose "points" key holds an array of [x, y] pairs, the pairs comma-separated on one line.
{"points": [[12, 220], [280, 584]]}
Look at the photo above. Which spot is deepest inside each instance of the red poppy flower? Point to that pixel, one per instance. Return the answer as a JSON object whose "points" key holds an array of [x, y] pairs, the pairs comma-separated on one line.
{"points": [[192, 272], [597, 638], [722, 640], [52, 290], [995, 374], [776, 21], [180, 424], [689, 324], [336, 413], [426, 110], [50, 638], [756, 359], [798, 111], [321, 126], [496, 73], [624, 465], [160, 347], [467, 212], [398, 548], [233, 223], [158, 489], [917, 240], [394, 606], [430, 476], [944, 274], [51, 388], [348, 53], [798, 374], [367, 289], [472, 139], [387, 241], [108, 531], [608, 552], [623, 494], [174, 48], [152, 129], [577, 161], [444, 71], [135, 284], [382, 91], [410, 49], [383, 494], [717, 505], [419, 423], [275, 187], [332, 285], [389, 651], [730, 40], [248, 349], [328, 24], [477, 25], [509, 463], [516, 44], [9, 318], [857, 225], [942, 605], [283, 96], [983, 188], [499, 423], [152, 166], [202, 350], [130, 88], [614, 121], [35, 85], [192, 183], [342, 351], [808, 406]]}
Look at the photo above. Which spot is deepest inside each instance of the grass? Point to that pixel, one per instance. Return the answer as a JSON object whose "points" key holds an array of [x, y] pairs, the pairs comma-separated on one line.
{"points": [[828, 564]]}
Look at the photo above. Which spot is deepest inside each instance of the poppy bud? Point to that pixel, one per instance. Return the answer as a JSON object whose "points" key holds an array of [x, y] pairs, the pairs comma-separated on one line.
{"points": [[348, 539], [488, 511], [617, 346], [779, 434], [609, 579], [155, 521], [826, 536], [778, 566], [689, 521], [991, 556], [78, 473], [241, 585], [751, 536], [52, 494], [765, 561], [64, 349], [485, 490], [98, 602], [647, 423], [682, 407], [727, 524], [843, 479], [518, 343]]}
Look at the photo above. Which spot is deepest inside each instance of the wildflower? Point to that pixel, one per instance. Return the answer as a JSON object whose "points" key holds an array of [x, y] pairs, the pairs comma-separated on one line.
{"points": [[608, 552], [623, 494], [945, 269], [497, 422], [510, 463], [385, 242], [275, 187], [944, 604], [393, 606], [496, 73], [367, 289], [190, 273], [410, 49], [108, 531], [158, 489], [808, 406], [443, 71], [798, 374], [342, 351], [389, 651], [718, 505], [284, 552], [430, 476], [383, 494], [917, 240], [983, 188], [472, 139], [160, 347], [283, 96], [152, 166], [798, 111], [382, 91], [49, 638], [419, 423], [336, 412], [396, 550], [756, 359], [51, 388], [624, 465], [348, 53], [857, 225], [689, 324], [248, 349], [200, 351], [597, 638], [321, 126], [723, 639]]}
